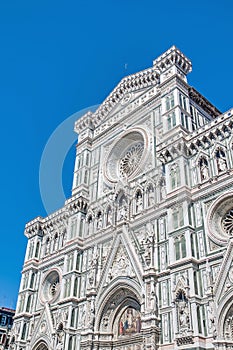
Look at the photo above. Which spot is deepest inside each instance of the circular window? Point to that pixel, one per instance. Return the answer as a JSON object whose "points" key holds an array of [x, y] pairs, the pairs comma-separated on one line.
{"points": [[220, 219], [50, 287], [127, 155]]}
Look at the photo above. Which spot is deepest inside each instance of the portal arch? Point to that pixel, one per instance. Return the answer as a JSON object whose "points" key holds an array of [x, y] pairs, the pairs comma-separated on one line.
{"points": [[41, 345], [121, 299]]}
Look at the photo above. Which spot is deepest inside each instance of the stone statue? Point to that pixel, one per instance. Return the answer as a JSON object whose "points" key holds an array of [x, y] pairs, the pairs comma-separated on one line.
{"points": [[122, 215], [222, 165], [204, 171]]}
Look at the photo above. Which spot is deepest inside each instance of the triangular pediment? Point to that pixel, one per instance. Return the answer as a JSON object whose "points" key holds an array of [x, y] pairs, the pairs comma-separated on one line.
{"points": [[122, 262], [44, 326], [224, 281], [132, 92]]}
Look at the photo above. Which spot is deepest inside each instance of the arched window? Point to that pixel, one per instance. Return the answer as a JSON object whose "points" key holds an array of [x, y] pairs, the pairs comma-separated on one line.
{"points": [[28, 303], [171, 120], [72, 318], [180, 247], [175, 176], [25, 281], [169, 102], [24, 330], [77, 180], [30, 251], [32, 280], [70, 344], [67, 288], [89, 224], [37, 249], [76, 287]]}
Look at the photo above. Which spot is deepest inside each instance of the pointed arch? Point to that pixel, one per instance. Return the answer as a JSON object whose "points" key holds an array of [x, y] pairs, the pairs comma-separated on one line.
{"points": [[109, 215], [150, 191], [138, 201], [41, 345], [112, 304], [225, 316]]}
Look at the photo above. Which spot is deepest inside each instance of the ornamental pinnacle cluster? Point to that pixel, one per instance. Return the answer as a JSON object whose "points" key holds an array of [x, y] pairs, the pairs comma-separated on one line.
{"points": [[140, 256]]}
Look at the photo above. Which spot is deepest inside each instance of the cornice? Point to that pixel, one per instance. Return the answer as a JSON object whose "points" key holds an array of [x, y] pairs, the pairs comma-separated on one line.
{"points": [[203, 102], [141, 80], [203, 138], [171, 57]]}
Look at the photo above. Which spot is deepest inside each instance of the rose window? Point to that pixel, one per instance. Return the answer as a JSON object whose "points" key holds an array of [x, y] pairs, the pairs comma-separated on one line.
{"points": [[127, 155], [131, 159], [50, 287], [227, 222], [54, 286], [220, 219]]}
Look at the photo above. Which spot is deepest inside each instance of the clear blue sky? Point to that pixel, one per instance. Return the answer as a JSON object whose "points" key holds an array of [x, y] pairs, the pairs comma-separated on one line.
{"points": [[58, 57]]}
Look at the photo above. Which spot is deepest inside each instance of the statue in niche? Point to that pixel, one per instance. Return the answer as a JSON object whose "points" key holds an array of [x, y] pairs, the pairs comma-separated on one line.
{"points": [[99, 221], [149, 243], [221, 160], [204, 169], [174, 176], [183, 315], [139, 202], [91, 312], [130, 322], [222, 165], [109, 217], [94, 266], [83, 316], [154, 302], [183, 310], [60, 339], [163, 192], [122, 213], [151, 198]]}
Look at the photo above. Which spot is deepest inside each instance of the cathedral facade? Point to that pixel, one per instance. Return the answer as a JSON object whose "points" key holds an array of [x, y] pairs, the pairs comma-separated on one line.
{"points": [[140, 257]]}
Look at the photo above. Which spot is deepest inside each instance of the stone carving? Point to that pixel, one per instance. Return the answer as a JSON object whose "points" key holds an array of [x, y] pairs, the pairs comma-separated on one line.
{"points": [[198, 214], [83, 316], [151, 196], [139, 202], [227, 222], [222, 164], [130, 161], [123, 211], [204, 168], [93, 267], [121, 266], [60, 339], [149, 244], [109, 217], [99, 223], [221, 160], [183, 311]]}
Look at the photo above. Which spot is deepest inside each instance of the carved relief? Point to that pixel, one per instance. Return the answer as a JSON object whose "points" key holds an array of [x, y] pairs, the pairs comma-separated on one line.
{"points": [[121, 266]]}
